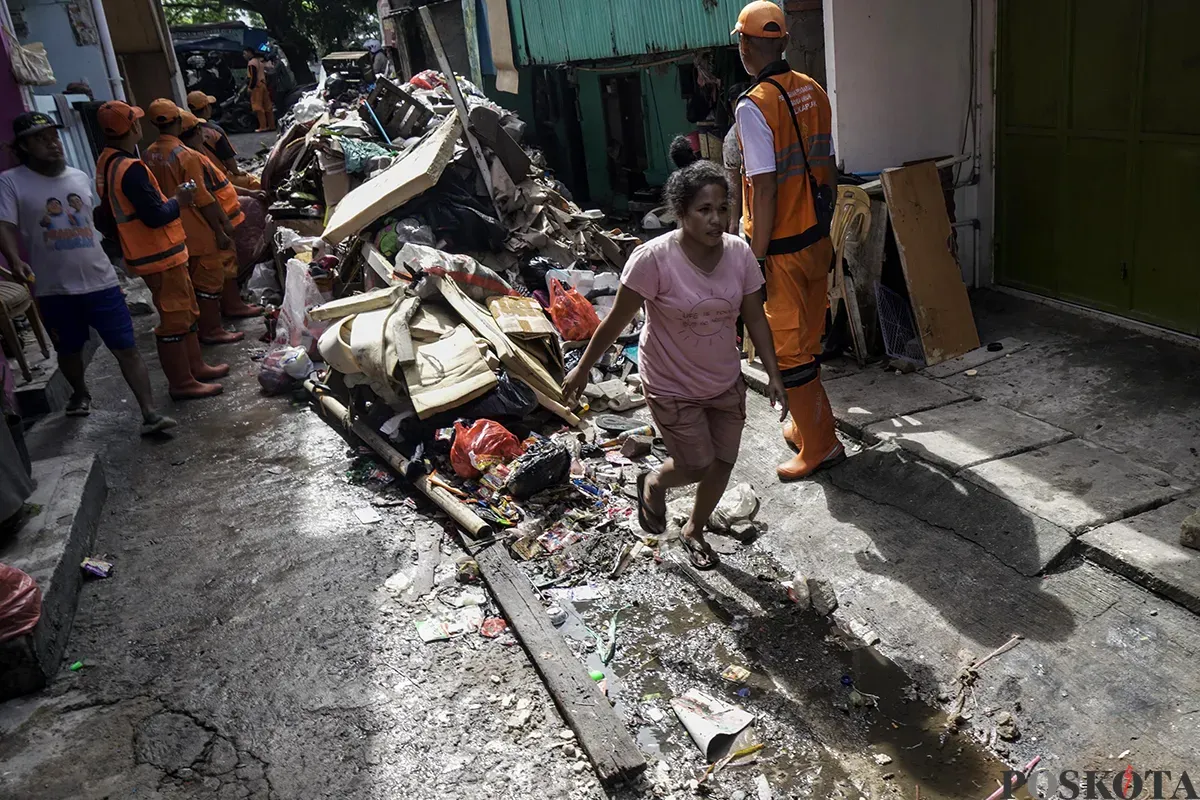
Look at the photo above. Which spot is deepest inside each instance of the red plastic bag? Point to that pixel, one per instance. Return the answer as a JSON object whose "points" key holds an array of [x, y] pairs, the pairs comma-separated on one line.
{"points": [[20, 603], [481, 447], [573, 315]]}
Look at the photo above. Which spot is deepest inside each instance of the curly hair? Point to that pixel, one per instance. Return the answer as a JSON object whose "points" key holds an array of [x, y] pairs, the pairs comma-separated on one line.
{"points": [[682, 154], [684, 184]]}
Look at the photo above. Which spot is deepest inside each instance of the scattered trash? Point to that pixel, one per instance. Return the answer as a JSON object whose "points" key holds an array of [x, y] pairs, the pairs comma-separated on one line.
{"points": [[763, 788], [1006, 727], [710, 722], [596, 675], [797, 590], [882, 759], [78, 665], [97, 567], [735, 673], [482, 446], [862, 631], [740, 504], [447, 626], [971, 373], [824, 598], [493, 627], [367, 516]]}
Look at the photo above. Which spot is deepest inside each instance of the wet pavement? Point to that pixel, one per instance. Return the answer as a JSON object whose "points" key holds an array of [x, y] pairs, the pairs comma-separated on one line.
{"points": [[245, 647]]}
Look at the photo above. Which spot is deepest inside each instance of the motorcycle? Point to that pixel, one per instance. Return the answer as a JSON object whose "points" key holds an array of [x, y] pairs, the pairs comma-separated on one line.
{"points": [[234, 113]]}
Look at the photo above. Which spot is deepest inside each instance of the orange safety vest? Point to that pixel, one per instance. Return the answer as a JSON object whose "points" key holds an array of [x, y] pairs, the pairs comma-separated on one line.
{"points": [[147, 250], [173, 163], [220, 187], [795, 209]]}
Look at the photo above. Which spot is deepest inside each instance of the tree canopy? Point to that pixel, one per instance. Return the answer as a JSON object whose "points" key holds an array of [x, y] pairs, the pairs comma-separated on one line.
{"points": [[303, 28]]}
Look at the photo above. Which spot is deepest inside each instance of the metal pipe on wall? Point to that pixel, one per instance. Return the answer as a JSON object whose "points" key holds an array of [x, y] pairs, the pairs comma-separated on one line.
{"points": [[115, 83]]}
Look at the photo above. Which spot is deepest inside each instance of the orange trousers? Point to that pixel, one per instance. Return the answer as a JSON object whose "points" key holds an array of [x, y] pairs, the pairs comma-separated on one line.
{"points": [[797, 292], [208, 272], [175, 299]]}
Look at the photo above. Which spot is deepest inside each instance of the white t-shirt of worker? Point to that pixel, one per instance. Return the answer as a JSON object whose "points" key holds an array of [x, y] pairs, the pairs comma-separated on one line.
{"points": [[54, 217]]}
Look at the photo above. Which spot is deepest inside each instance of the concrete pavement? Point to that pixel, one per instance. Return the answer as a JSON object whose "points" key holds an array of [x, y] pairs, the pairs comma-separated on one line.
{"points": [[1071, 426]]}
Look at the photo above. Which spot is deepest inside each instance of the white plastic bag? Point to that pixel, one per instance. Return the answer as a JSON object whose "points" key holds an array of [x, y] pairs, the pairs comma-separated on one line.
{"points": [[296, 328], [30, 64], [739, 504], [264, 284]]}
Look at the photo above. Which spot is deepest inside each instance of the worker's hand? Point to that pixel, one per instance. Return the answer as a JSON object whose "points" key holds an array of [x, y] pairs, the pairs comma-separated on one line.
{"points": [[778, 397], [23, 273], [574, 385], [224, 242], [184, 195]]}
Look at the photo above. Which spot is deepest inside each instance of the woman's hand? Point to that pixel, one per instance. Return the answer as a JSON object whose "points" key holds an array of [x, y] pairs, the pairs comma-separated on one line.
{"points": [[574, 385], [778, 396]]}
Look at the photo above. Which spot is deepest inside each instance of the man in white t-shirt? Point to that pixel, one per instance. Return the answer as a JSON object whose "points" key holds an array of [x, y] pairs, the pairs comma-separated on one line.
{"points": [[49, 237]]}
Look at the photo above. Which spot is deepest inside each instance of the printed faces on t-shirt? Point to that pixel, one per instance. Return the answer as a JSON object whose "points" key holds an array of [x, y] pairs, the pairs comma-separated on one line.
{"points": [[67, 223]]}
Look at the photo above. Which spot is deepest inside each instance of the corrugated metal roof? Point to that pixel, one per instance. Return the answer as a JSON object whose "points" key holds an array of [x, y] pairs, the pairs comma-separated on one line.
{"points": [[561, 31]]}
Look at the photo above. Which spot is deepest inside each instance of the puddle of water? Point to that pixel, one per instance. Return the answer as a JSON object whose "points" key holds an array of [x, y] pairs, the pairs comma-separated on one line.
{"points": [[669, 641]]}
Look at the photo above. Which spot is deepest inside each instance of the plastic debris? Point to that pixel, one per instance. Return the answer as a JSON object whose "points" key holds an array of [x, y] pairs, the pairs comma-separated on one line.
{"points": [[449, 625], [709, 721], [493, 627], [97, 567], [367, 516], [735, 673], [740, 504]]}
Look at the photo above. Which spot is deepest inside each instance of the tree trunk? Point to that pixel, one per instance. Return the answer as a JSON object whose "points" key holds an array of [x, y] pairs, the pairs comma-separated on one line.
{"points": [[295, 45]]}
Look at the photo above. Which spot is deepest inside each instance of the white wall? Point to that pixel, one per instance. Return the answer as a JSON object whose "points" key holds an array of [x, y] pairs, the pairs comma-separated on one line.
{"points": [[899, 79], [48, 23]]}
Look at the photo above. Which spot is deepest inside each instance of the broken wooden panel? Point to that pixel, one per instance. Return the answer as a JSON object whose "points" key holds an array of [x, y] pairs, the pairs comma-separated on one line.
{"points": [[917, 207]]}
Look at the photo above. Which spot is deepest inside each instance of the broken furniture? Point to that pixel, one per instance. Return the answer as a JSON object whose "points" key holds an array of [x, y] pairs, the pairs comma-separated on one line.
{"points": [[16, 301]]}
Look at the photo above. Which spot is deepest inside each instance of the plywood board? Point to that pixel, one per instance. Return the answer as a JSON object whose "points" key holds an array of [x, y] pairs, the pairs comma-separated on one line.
{"points": [[943, 314], [417, 171]]}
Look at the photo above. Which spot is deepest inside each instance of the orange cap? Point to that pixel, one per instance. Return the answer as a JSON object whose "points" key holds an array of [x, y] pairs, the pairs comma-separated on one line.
{"points": [[163, 111], [199, 100], [117, 118], [190, 120], [762, 19]]}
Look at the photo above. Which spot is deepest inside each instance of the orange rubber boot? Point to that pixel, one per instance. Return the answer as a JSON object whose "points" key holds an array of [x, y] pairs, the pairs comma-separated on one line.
{"points": [[232, 304], [181, 384], [200, 370], [813, 433], [211, 331]]}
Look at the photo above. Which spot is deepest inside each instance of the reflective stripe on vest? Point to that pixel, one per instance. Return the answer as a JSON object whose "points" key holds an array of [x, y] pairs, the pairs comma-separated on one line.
{"points": [[147, 250], [796, 226]]}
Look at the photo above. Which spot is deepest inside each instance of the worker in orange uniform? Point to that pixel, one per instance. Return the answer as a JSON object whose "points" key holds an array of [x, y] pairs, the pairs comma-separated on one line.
{"points": [[789, 176], [227, 195], [154, 244], [260, 95], [209, 229], [216, 142]]}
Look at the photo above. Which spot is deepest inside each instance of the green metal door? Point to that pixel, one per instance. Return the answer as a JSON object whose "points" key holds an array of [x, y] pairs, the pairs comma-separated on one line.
{"points": [[1098, 154]]}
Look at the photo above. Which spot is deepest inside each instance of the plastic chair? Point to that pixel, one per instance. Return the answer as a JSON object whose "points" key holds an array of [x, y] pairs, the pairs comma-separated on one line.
{"points": [[17, 302]]}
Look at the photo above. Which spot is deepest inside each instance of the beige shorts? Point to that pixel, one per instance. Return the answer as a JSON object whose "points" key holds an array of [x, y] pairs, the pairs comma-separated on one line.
{"points": [[698, 432]]}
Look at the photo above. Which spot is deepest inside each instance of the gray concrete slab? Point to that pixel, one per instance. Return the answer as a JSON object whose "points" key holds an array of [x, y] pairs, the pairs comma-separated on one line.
{"points": [[875, 395], [1092, 647], [49, 547], [976, 358], [1131, 393], [890, 475], [962, 435], [1146, 550], [1077, 485]]}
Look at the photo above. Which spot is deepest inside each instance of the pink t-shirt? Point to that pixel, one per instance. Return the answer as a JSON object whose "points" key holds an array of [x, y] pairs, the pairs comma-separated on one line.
{"points": [[689, 344]]}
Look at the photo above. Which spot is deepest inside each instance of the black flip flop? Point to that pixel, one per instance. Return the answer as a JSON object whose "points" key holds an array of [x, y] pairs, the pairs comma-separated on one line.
{"points": [[646, 518], [700, 554]]}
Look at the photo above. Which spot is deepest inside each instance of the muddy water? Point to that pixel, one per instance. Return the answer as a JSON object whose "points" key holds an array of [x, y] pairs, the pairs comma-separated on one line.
{"points": [[827, 709]]}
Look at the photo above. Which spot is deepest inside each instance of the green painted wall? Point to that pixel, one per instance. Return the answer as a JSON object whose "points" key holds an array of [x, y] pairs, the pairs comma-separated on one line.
{"points": [[595, 146], [665, 112], [520, 103]]}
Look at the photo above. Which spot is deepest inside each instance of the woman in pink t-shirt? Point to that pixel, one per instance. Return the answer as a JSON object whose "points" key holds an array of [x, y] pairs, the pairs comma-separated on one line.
{"points": [[694, 283]]}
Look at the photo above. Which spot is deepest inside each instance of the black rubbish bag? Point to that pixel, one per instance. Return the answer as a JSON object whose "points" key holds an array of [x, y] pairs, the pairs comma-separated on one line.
{"points": [[511, 399], [544, 465], [459, 217]]}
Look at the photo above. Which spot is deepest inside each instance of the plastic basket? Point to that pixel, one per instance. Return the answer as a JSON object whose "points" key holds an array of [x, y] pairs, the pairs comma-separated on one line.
{"points": [[896, 323]]}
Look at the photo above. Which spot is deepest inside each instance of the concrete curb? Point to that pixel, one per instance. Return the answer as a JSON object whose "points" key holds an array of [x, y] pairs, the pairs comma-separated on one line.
{"points": [[49, 547]]}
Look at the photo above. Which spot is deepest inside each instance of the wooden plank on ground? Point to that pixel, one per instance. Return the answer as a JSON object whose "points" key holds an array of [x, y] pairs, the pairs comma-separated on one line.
{"points": [[917, 207], [600, 733]]}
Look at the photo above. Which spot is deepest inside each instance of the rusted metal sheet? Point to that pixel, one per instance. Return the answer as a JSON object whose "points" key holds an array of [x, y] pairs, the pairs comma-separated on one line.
{"points": [[563, 31]]}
